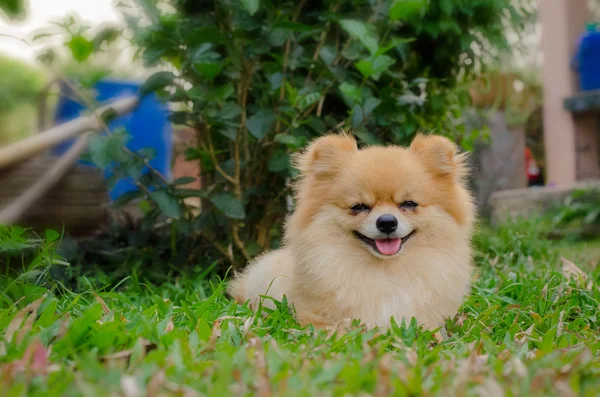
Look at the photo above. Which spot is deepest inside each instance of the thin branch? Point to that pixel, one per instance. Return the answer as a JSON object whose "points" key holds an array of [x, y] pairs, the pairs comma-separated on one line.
{"points": [[213, 156], [320, 43], [286, 55], [243, 89], [238, 241], [221, 248]]}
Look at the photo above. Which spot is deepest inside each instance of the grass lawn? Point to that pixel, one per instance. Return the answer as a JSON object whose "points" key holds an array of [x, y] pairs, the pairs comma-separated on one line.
{"points": [[525, 330]]}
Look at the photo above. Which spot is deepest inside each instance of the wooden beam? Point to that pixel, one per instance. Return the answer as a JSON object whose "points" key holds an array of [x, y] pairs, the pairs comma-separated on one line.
{"points": [[35, 144]]}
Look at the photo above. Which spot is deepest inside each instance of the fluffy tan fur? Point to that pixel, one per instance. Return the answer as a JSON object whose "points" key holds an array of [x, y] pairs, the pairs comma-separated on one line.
{"points": [[331, 276]]}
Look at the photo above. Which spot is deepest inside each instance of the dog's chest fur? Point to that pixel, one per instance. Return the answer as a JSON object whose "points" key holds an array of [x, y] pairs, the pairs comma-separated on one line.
{"points": [[342, 286]]}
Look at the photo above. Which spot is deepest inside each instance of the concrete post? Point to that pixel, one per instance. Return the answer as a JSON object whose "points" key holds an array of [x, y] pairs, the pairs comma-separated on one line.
{"points": [[563, 21]]}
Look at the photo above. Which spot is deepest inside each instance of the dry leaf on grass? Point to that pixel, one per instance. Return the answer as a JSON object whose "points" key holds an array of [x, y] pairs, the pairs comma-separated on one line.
{"points": [[170, 326], [522, 337], [35, 361], [571, 270], [105, 308], [215, 334], [156, 383], [515, 367], [384, 386], [125, 355], [130, 387], [23, 321], [490, 388], [264, 386]]}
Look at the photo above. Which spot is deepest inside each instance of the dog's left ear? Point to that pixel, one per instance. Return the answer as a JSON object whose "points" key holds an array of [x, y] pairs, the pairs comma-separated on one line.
{"points": [[327, 155], [440, 156]]}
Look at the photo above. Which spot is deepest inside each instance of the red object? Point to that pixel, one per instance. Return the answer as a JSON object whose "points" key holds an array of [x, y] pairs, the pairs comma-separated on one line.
{"points": [[534, 174]]}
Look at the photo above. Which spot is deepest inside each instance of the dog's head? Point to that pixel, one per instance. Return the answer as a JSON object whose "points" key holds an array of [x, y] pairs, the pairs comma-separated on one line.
{"points": [[382, 199]]}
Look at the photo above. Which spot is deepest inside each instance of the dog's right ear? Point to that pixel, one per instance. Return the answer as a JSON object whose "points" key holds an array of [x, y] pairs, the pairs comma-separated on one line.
{"points": [[327, 155], [440, 156]]}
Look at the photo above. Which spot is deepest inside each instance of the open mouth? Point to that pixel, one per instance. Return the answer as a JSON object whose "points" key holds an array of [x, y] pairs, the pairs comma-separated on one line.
{"points": [[385, 246]]}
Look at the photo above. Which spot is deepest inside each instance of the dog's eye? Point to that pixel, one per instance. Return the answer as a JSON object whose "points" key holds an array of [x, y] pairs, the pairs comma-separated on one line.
{"points": [[409, 205], [356, 208]]}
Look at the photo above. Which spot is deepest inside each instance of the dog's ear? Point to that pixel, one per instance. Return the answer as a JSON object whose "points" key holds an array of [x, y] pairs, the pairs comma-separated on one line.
{"points": [[327, 155], [440, 156]]}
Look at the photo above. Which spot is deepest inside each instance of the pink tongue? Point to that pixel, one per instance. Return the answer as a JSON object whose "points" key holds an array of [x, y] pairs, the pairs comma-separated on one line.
{"points": [[388, 247]]}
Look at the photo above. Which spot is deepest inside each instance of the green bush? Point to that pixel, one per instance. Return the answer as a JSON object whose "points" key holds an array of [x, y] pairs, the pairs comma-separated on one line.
{"points": [[20, 85], [578, 217], [258, 80]]}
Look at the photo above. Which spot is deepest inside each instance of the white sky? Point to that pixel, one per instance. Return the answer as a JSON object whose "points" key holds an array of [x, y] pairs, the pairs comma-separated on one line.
{"points": [[42, 12]]}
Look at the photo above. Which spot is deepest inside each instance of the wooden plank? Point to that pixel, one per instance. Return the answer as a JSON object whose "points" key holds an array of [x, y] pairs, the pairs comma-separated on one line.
{"points": [[36, 144]]}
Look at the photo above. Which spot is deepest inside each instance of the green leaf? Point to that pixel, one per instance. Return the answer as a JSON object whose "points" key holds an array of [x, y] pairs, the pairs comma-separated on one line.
{"points": [[375, 66], [127, 197], [403, 9], [107, 35], [371, 104], [205, 53], [309, 100], [278, 37], [260, 123], [353, 51], [52, 235], [251, 6], [279, 161], [290, 141], [204, 330], [358, 116], [184, 180], [133, 168], [367, 137], [156, 82], [351, 93], [206, 162], [230, 110], [410, 99], [166, 203], [361, 32], [230, 133], [209, 70], [275, 80], [395, 42], [229, 205], [191, 193], [215, 95], [81, 48], [328, 54], [105, 149], [292, 93], [179, 118], [13, 8]]}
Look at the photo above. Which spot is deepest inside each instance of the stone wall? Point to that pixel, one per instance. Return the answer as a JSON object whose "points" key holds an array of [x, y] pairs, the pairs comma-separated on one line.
{"points": [[522, 203]]}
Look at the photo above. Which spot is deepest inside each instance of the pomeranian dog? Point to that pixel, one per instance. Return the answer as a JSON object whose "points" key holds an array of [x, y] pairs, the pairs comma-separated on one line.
{"points": [[377, 233]]}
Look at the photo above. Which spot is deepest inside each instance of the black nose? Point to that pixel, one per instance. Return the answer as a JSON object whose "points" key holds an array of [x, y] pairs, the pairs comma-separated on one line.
{"points": [[387, 223]]}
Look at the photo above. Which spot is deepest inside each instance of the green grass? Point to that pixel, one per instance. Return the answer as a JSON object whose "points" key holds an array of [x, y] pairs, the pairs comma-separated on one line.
{"points": [[525, 330]]}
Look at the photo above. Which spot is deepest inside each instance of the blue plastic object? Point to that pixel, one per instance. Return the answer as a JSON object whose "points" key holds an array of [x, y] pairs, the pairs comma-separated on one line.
{"points": [[148, 126], [587, 60]]}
